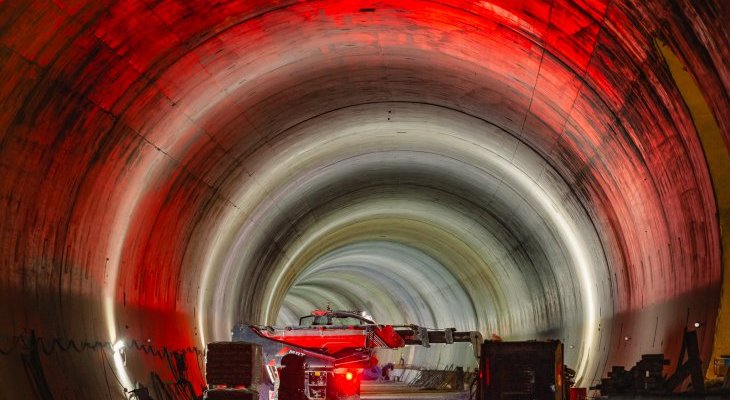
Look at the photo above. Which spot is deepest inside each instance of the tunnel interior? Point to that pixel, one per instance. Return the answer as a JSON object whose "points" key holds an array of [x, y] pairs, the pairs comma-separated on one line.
{"points": [[530, 169]]}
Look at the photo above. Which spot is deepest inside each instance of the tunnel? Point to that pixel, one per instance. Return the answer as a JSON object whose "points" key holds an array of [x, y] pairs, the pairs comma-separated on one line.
{"points": [[533, 169]]}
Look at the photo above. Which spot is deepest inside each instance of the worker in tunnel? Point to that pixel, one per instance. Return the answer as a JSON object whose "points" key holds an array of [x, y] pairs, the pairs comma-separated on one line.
{"points": [[541, 169], [292, 378]]}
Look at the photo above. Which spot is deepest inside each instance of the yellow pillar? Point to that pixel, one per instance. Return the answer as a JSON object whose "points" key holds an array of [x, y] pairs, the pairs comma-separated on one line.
{"points": [[718, 161]]}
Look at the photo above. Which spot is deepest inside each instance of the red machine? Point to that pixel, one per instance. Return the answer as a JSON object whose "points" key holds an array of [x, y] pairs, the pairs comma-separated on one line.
{"points": [[324, 356]]}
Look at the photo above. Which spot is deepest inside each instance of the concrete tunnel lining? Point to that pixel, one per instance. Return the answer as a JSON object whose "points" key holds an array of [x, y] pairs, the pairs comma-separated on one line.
{"points": [[424, 147], [140, 141]]}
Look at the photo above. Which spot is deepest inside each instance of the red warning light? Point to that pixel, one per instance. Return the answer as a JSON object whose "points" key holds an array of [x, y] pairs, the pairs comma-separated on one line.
{"points": [[347, 381]]}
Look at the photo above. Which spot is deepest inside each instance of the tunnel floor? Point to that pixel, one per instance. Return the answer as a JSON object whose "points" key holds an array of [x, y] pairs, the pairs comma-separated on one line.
{"points": [[384, 391]]}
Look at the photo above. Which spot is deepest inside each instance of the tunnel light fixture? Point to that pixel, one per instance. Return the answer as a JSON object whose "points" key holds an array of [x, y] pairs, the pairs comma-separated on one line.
{"points": [[119, 346], [120, 362], [698, 324]]}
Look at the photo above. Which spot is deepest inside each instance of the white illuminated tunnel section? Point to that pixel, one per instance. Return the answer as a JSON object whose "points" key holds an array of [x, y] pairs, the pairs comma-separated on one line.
{"points": [[421, 181]]}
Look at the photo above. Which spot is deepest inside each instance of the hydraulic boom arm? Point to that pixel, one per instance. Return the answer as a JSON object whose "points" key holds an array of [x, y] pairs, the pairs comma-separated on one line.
{"points": [[414, 335]]}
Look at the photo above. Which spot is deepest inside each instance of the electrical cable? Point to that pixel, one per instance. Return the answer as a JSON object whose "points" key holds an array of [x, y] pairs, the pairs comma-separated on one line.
{"points": [[49, 346], [112, 369], [106, 379], [182, 388], [157, 382]]}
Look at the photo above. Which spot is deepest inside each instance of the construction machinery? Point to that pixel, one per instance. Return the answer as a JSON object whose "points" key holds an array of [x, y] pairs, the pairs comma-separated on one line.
{"points": [[321, 358]]}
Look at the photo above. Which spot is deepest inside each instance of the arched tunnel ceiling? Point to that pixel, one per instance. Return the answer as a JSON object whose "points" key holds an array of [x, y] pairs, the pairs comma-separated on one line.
{"points": [[528, 169]]}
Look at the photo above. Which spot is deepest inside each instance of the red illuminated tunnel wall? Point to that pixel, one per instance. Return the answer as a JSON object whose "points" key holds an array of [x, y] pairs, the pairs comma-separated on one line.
{"points": [[532, 169]]}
